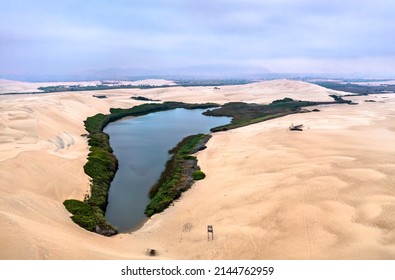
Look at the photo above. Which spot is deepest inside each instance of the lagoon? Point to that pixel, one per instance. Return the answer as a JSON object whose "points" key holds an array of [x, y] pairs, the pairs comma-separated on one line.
{"points": [[141, 145]]}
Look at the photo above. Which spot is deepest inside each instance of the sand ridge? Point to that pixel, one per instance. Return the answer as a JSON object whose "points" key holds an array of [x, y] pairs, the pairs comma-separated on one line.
{"points": [[324, 193]]}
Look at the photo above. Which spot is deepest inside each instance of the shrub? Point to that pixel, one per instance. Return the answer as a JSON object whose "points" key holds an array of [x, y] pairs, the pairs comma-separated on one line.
{"points": [[76, 207], [198, 175], [83, 213], [286, 99], [87, 222]]}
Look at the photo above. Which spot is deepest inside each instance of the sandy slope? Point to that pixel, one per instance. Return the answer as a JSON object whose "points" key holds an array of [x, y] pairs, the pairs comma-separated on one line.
{"points": [[324, 193]]}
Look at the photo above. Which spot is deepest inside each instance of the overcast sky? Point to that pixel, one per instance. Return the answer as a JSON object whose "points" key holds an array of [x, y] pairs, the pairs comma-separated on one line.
{"points": [[302, 36]]}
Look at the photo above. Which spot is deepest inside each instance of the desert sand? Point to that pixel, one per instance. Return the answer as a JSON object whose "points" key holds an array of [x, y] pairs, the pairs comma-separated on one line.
{"points": [[327, 192]]}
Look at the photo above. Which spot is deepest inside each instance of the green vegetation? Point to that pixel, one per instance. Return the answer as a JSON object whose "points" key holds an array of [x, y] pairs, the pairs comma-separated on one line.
{"points": [[357, 89], [243, 114], [83, 214], [211, 82], [286, 99], [96, 123], [102, 164], [100, 96], [340, 99], [109, 85], [180, 172], [103, 86], [101, 167], [198, 175], [142, 98]]}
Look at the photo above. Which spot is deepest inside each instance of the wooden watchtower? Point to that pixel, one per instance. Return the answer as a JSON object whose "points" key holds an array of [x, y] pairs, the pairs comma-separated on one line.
{"points": [[210, 230]]}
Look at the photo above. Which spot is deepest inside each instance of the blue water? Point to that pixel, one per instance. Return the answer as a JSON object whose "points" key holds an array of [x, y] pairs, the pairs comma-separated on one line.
{"points": [[141, 145]]}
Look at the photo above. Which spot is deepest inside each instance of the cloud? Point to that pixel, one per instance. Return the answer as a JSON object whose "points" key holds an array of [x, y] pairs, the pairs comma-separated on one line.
{"points": [[62, 36]]}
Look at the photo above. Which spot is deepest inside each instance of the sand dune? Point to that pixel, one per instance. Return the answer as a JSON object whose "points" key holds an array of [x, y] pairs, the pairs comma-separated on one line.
{"points": [[260, 92], [324, 193]]}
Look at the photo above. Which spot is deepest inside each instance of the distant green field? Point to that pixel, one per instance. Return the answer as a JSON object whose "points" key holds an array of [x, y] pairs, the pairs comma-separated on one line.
{"points": [[179, 83], [357, 89]]}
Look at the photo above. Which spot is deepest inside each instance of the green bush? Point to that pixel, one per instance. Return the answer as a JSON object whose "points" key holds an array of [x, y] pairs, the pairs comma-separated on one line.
{"points": [[286, 99], [198, 175], [100, 140], [83, 213], [88, 216], [77, 207], [87, 222], [95, 123]]}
